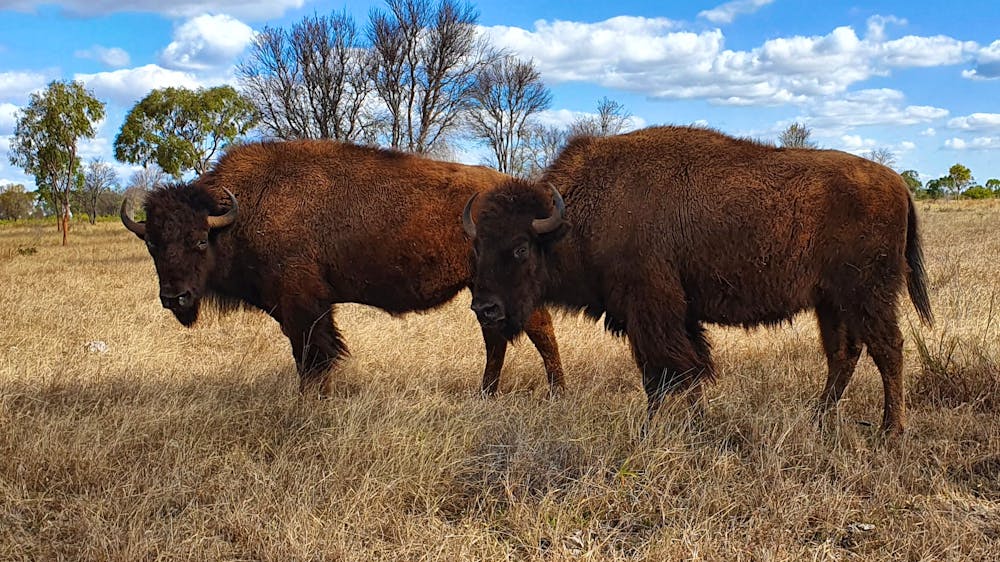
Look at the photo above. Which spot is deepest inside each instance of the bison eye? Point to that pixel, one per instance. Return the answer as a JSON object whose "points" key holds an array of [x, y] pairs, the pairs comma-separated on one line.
{"points": [[521, 252], [202, 245]]}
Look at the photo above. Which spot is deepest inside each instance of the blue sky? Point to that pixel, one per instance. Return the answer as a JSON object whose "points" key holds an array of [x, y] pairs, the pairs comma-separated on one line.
{"points": [[919, 77]]}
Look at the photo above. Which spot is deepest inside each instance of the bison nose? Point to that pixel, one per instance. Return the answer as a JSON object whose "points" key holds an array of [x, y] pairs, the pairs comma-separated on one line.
{"points": [[180, 300], [488, 310]]}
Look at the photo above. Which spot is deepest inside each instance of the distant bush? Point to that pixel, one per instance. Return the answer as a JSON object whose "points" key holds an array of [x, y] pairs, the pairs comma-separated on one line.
{"points": [[977, 192]]}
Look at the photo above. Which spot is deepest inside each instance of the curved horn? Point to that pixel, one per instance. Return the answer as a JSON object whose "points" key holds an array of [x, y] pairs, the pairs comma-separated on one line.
{"points": [[548, 224], [467, 223], [137, 228], [228, 218]]}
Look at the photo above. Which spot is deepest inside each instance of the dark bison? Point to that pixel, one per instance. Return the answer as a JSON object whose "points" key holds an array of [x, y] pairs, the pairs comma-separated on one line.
{"points": [[293, 228], [666, 228]]}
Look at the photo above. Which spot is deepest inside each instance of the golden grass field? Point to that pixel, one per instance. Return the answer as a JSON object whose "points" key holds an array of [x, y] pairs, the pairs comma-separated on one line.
{"points": [[194, 443]]}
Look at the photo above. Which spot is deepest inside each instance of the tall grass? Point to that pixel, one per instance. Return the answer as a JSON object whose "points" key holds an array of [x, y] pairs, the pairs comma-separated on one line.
{"points": [[170, 443]]}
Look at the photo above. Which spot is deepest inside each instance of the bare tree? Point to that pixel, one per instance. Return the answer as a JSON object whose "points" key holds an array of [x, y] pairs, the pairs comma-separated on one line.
{"points": [[98, 179], [427, 58], [882, 155], [147, 178], [310, 81], [506, 94], [796, 136], [612, 118]]}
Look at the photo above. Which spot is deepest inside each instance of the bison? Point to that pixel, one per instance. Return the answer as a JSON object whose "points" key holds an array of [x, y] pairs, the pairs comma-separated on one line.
{"points": [[667, 228], [292, 228]]}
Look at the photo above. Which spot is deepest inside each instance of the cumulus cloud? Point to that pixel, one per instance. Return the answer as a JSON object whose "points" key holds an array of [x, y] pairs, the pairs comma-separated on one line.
{"points": [[18, 85], [727, 12], [976, 122], [977, 143], [206, 42], [128, 85], [8, 118], [114, 57], [255, 10], [654, 57], [856, 143], [882, 106], [987, 63], [928, 132]]}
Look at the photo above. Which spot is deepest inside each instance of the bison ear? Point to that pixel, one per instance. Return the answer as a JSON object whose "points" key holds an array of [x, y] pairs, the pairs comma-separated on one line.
{"points": [[550, 238]]}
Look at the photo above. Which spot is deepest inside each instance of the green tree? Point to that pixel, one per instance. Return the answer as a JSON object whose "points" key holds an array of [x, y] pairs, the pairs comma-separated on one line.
{"points": [[961, 177], [993, 185], [938, 188], [912, 179], [796, 136], [182, 130], [15, 202], [46, 136]]}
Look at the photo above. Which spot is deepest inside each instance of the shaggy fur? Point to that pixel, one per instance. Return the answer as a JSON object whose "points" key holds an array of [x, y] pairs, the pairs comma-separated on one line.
{"points": [[321, 223], [667, 228]]}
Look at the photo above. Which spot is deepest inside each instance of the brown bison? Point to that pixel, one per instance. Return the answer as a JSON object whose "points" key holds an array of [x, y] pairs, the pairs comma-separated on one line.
{"points": [[666, 228], [293, 228]]}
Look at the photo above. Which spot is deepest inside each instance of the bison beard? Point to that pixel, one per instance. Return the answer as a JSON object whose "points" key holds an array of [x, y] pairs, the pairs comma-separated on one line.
{"points": [[667, 228], [319, 223]]}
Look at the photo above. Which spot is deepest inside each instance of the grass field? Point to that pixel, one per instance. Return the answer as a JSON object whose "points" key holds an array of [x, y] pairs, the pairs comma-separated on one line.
{"points": [[177, 443]]}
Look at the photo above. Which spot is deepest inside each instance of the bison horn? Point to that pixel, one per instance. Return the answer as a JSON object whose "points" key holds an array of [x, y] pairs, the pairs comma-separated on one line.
{"points": [[549, 224], [228, 218], [137, 228], [467, 223]]}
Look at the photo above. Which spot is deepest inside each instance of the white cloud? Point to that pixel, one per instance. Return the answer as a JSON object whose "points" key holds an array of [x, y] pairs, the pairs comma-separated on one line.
{"points": [[906, 146], [856, 143], [114, 57], [656, 58], [928, 132], [877, 23], [126, 86], [868, 107], [206, 42], [18, 86], [978, 143], [255, 10], [8, 118], [987, 63], [976, 122], [727, 12]]}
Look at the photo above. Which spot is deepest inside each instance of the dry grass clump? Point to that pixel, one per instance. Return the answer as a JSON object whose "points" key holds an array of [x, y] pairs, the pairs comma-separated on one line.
{"points": [[124, 436]]}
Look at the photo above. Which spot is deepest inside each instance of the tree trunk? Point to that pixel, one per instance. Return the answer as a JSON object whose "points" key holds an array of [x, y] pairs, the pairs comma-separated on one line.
{"points": [[65, 224]]}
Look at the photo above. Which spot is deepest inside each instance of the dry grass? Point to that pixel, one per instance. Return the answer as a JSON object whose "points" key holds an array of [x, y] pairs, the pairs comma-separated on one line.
{"points": [[193, 444]]}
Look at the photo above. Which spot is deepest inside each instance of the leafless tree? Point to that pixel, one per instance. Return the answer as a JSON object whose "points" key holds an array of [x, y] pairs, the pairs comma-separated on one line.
{"points": [[310, 81], [505, 95], [427, 57], [612, 118], [796, 136], [98, 179], [147, 178], [882, 155]]}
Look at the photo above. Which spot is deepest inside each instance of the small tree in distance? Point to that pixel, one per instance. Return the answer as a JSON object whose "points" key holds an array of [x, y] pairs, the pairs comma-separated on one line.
{"points": [[796, 136], [98, 179], [46, 139], [506, 94], [882, 155]]}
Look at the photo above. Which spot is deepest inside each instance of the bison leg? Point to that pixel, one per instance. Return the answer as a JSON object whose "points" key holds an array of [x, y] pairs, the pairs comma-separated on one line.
{"points": [[316, 343], [842, 353], [885, 345], [539, 330], [670, 349], [496, 348]]}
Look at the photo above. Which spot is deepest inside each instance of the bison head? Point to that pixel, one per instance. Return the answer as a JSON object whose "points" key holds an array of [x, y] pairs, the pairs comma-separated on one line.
{"points": [[517, 224], [179, 231]]}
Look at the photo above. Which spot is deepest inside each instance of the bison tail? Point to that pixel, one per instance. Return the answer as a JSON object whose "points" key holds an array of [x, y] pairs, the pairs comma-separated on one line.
{"points": [[916, 279]]}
